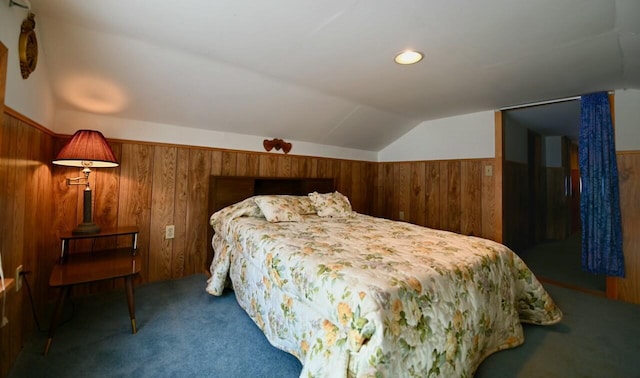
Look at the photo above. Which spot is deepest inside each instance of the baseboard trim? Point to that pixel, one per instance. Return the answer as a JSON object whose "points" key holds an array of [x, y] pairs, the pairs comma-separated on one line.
{"points": [[572, 287]]}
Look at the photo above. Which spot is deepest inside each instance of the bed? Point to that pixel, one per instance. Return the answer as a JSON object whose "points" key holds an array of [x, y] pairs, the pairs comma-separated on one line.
{"points": [[354, 295]]}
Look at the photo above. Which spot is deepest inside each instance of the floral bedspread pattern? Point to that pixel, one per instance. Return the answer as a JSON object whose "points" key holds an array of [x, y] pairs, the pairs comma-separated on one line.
{"points": [[363, 296]]}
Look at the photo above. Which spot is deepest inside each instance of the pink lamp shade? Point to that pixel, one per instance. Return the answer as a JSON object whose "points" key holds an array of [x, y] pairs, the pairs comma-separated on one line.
{"points": [[87, 149], [87, 146]]}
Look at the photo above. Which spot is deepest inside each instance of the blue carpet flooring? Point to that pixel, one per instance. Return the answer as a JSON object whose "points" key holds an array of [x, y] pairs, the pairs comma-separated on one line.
{"points": [[182, 332], [185, 332], [561, 261]]}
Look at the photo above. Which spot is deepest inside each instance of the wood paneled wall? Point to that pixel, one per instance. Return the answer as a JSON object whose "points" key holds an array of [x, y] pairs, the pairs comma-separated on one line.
{"points": [[558, 216], [454, 195], [516, 205], [628, 288], [157, 185], [26, 232], [4, 53], [160, 185]]}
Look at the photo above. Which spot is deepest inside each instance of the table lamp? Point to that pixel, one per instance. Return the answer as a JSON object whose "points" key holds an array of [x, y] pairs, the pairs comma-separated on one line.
{"points": [[87, 149]]}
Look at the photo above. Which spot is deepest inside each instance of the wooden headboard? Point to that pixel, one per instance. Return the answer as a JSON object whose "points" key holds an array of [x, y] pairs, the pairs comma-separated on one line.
{"points": [[227, 190]]}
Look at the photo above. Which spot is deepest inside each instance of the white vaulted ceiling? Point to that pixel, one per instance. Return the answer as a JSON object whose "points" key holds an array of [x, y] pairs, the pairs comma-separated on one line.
{"points": [[323, 71]]}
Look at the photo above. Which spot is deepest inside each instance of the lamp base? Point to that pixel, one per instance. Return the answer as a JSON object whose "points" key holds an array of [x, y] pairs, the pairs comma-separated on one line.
{"points": [[86, 228]]}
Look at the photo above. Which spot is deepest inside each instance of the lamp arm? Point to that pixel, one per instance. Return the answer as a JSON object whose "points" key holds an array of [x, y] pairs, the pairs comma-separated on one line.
{"points": [[81, 180], [75, 181]]}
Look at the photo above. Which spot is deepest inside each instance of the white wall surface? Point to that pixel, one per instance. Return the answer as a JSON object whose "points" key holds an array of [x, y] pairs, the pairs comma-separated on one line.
{"points": [[31, 97], [461, 137], [627, 128], [67, 122]]}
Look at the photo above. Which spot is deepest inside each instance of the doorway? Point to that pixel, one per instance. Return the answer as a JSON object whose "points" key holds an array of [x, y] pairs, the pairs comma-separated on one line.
{"points": [[541, 192]]}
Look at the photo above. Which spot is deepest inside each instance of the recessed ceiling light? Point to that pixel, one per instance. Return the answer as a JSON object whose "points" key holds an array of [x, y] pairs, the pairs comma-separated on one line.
{"points": [[408, 57]]}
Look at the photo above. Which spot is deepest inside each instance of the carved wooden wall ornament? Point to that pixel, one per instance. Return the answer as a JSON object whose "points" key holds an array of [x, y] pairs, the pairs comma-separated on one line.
{"points": [[278, 144], [28, 46]]}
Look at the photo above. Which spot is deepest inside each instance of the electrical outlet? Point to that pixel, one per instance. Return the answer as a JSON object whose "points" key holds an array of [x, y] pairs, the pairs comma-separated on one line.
{"points": [[488, 170], [18, 278], [401, 215], [170, 232]]}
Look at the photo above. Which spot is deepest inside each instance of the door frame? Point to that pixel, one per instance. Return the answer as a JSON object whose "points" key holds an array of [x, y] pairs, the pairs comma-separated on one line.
{"points": [[611, 287]]}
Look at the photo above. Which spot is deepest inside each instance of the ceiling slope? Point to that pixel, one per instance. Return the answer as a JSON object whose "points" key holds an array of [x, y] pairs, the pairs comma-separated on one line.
{"points": [[323, 71]]}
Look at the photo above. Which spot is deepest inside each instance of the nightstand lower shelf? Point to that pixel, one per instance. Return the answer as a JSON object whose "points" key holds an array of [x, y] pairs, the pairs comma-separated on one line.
{"points": [[91, 267]]}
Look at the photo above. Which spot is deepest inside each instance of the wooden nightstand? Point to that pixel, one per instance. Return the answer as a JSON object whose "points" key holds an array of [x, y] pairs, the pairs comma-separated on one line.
{"points": [[83, 267]]}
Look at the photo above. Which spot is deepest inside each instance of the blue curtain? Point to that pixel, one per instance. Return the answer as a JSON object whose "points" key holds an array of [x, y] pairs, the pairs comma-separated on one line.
{"points": [[600, 199]]}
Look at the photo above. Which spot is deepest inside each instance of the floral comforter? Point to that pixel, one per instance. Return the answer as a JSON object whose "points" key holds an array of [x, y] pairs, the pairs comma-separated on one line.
{"points": [[363, 296]]}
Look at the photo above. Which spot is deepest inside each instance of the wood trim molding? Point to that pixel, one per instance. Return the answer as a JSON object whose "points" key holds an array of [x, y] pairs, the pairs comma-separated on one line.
{"points": [[3, 75], [612, 287], [612, 282], [497, 174], [20, 117]]}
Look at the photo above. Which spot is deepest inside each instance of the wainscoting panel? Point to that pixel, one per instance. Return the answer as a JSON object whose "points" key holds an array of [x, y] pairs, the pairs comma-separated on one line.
{"points": [[198, 188], [453, 195], [628, 288], [160, 185], [470, 197], [162, 210], [558, 226], [134, 197], [26, 230], [516, 209]]}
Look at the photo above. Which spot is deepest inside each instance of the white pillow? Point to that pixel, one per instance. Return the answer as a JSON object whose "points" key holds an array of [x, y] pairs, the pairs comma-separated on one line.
{"points": [[333, 204], [278, 208], [301, 204]]}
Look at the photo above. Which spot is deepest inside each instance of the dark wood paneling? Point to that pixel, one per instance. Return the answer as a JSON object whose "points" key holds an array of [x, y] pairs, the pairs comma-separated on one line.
{"points": [[557, 205], [470, 197], [450, 195], [418, 195], [134, 205], [453, 195], [12, 194], [402, 191], [157, 185], [4, 53], [198, 215], [488, 203], [162, 210], [432, 182], [26, 234], [180, 214], [628, 288], [268, 166], [516, 210], [377, 204], [283, 166], [388, 192]]}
